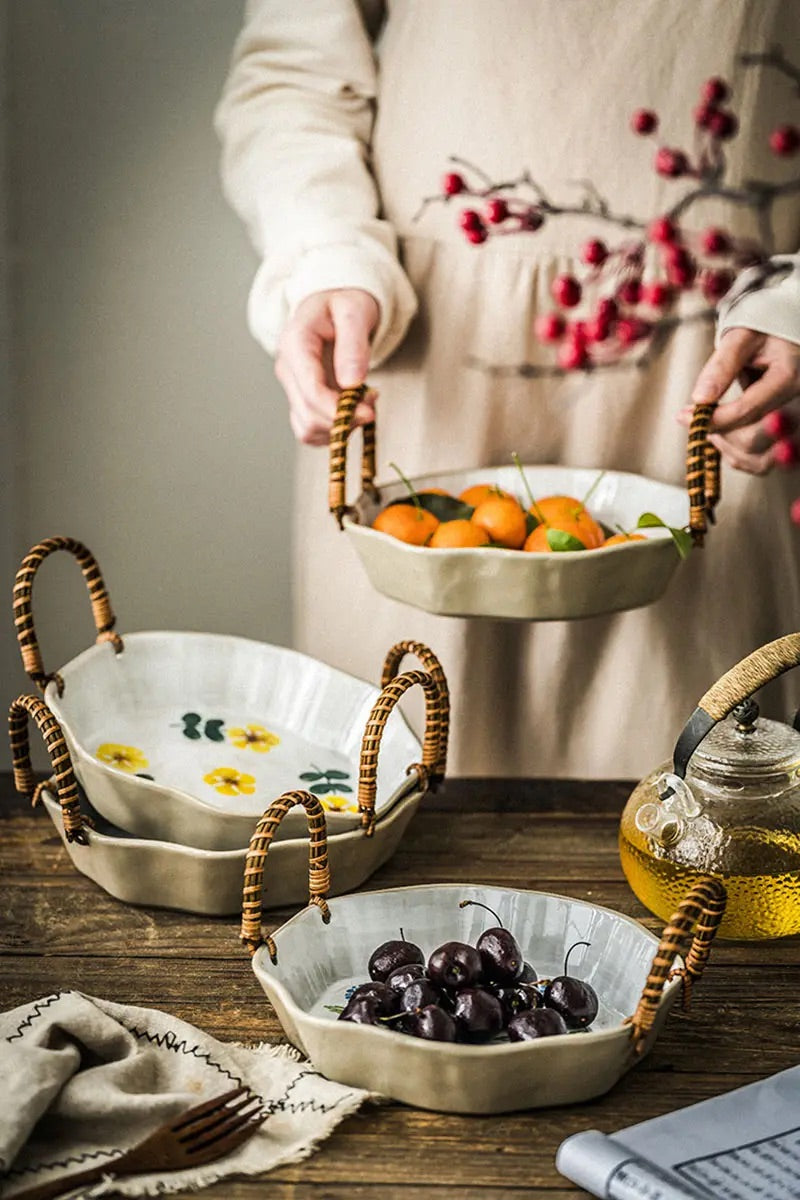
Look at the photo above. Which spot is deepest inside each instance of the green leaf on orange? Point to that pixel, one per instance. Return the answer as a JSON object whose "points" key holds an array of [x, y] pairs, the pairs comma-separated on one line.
{"points": [[681, 537], [560, 540]]}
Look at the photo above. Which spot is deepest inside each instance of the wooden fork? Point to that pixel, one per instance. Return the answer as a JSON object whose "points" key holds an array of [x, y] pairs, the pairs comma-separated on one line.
{"points": [[200, 1135]]}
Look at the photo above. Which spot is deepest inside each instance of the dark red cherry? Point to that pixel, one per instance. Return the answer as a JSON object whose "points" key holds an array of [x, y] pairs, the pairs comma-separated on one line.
{"points": [[401, 977], [455, 965], [478, 1015], [391, 955], [386, 998], [573, 999], [431, 1023], [535, 1023], [519, 998], [361, 1010], [528, 974], [419, 994]]}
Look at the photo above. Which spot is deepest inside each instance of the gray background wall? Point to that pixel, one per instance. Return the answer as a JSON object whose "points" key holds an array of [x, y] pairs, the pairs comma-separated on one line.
{"points": [[140, 417]]}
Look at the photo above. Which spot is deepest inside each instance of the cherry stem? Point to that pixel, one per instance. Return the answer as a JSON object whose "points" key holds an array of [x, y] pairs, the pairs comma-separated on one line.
{"points": [[537, 511], [411, 490], [478, 904], [572, 947], [402, 935], [591, 489]]}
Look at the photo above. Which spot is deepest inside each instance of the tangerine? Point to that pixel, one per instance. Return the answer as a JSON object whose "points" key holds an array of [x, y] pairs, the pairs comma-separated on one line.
{"points": [[479, 492], [503, 519], [459, 532], [617, 539], [433, 491], [537, 540], [565, 512], [407, 523]]}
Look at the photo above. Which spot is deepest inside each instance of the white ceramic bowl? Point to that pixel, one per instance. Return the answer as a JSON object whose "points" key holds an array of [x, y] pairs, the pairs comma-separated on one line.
{"points": [[168, 875], [317, 963], [494, 582], [188, 737]]}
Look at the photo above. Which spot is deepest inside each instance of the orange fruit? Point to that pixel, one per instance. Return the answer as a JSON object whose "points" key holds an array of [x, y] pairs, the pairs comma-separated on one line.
{"points": [[565, 512], [503, 519], [458, 533], [537, 540], [407, 523], [617, 539], [433, 491], [479, 492]]}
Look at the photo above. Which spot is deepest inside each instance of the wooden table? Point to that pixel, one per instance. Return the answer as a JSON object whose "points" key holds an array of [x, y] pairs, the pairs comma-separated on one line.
{"points": [[59, 930]]}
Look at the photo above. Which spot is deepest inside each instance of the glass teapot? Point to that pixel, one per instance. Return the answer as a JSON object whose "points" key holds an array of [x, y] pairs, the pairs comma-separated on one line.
{"points": [[728, 805]]}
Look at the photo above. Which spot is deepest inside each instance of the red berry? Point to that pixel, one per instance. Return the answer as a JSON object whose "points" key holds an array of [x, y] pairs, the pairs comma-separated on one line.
{"points": [[469, 219], [657, 295], [644, 121], [785, 140], [723, 125], [594, 252], [566, 291], [671, 163], [477, 235], [497, 211], [630, 291], [703, 114], [453, 183], [576, 332], [662, 230], [682, 273], [785, 453], [572, 356], [549, 327], [715, 91], [597, 329], [607, 310], [531, 220], [714, 284], [632, 329], [794, 511], [716, 241], [777, 424]]}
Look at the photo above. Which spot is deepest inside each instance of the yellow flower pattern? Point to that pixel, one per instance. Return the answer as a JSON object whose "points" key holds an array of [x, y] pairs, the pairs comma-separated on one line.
{"points": [[124, 758], [343, 804], [229, 782], [254, 737]]}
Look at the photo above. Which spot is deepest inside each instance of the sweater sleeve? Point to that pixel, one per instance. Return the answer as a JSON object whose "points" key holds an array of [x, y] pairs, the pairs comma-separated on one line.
{"points": [[765, 299], [295, 121]]}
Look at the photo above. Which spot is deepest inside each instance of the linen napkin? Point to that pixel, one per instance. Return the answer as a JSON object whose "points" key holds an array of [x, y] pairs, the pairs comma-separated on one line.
{"points": [[83, 1079]]}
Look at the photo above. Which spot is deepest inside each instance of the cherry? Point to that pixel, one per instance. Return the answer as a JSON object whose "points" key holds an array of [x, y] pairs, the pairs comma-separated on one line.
{"points": [[478, 1015], [390, 955], [549, 327], [607, 310], [455, 965], [361, 1010], [657, 295], [535, 1023], [528, 974], [632, 329], [501, 957], [385, 998], [723, 125], [477, 235], [468, 218], [597, 329], [566, 291], [671, 163], [644, 121], [594, 252], [573, 999], [715, 91], [714, 284], [496, 211], [681, 267], [630, 291], [573, 356], [703, 114], [777, 424], [453, 183], [716, 241], [418, 994], [662, 230], [786, 453], [519, 998], [785, 140], [401, 977], [531, 220], [431, 1023]]}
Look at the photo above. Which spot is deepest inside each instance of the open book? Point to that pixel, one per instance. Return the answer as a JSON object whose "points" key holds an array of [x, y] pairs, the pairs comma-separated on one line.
{"points": [[741, 1146]]}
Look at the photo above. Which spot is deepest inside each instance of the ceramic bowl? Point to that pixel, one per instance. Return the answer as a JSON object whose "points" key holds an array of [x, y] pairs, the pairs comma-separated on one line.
{"points": [[493, 582], [187, 737], [316, 963], [168, 875]]}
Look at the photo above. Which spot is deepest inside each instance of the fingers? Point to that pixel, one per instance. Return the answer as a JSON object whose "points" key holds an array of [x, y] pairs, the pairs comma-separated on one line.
{"points": [[735, 351], [354, 315], [742, 454]]}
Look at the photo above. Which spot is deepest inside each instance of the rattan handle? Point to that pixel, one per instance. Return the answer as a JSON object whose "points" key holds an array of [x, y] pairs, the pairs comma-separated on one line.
{"points": [[32, 707], [698, 918], [342, 428], [702, 472], [104, 619], [370, 744], [741, 681], [319, 878], [432, 665]]}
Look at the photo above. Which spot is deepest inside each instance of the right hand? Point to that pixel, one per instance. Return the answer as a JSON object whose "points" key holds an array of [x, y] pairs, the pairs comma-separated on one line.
{"points": [[323, 348]]}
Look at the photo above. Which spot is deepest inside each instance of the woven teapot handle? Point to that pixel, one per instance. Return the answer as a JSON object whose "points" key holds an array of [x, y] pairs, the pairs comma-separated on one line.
{"points": [[104, 619], [432, 665], [434, 751], [760, 667], [697, 918], [23, 708], [342, 428], [702, 472], [319, 878]]}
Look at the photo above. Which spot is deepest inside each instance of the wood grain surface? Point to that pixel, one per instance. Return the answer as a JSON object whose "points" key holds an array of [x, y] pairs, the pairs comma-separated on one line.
{"points": [[59, 930]]}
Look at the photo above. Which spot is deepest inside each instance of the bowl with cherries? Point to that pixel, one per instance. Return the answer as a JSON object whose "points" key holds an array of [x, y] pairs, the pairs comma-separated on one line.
{"points": [[470, 998]]}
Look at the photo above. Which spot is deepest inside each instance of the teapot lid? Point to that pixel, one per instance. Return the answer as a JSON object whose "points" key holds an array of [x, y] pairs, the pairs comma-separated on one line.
{"points": [[746, 742]]}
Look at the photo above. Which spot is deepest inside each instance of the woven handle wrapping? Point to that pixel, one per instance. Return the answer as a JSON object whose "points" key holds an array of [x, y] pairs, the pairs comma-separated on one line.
{"points": [[319, 879], [32, 707], [432, 665], [702, 472], [432, 754], [698, 918], [104, 619], [342, 428]]}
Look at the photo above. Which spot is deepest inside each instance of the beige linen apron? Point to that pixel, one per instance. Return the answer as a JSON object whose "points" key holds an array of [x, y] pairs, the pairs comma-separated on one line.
{"points": [[505, 84]]}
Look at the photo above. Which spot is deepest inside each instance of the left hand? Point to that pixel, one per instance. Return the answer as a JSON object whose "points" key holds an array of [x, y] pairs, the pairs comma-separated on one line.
{"points": [[768, 369]]}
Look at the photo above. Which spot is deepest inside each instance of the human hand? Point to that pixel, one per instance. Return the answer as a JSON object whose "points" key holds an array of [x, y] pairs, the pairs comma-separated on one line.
{"points": [[768, 369], [324, 347]]}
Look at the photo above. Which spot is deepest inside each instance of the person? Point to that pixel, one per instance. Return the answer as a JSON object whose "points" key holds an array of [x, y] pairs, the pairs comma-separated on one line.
{"points": [[337, 119]]}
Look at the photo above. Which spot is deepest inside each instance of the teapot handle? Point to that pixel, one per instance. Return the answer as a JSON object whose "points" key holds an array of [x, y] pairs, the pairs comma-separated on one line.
{"points": [[760, 667]]}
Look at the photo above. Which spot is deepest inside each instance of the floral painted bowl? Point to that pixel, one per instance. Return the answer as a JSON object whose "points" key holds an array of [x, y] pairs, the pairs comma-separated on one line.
{"points": [[312, 961], [186, 737]]}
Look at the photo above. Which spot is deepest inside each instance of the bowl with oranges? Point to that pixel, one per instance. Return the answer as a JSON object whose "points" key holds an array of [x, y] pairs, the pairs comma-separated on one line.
{"points": [[543, 543]]}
